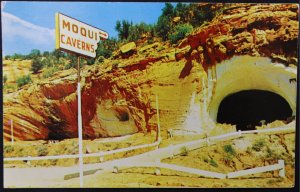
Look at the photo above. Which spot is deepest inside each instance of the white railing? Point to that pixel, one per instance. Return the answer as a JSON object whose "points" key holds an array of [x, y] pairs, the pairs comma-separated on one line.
{"points": [[209, 174], [99, 154], [170, 151], [279, 166]]}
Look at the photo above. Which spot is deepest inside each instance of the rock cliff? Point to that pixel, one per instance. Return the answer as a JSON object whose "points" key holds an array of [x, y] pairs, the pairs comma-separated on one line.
{"points": [[118, 97]]}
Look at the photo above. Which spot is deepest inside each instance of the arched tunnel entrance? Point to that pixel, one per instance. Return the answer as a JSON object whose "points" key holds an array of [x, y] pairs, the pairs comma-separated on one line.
{"points": [[246, 109]]}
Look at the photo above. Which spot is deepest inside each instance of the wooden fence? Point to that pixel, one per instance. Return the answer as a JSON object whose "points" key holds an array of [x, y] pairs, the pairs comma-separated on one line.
{"points": [[172, 150]]}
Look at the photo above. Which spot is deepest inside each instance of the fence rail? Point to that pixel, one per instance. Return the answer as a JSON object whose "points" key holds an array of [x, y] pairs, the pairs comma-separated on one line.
{"points": [[279, 166], [173, 167], [209, 174], [170, 151], [99, 154]]}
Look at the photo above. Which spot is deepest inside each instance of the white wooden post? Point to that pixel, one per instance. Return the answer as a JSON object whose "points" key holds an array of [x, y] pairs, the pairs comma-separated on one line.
{"points": [[240, 133], [207, 141], [158, 123], [79, 125], [282, 170], [157, 171], [28, 162], [12, 131], [101, 159], [115, 170]]}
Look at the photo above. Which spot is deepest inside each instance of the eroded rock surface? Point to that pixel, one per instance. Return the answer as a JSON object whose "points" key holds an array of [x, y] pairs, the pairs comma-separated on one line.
{"points": [[121, 100]]}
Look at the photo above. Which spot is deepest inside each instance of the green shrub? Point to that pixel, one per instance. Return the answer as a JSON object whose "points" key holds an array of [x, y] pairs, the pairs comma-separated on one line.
{"points": [[42, 151], [8, 148], [184, 151], [179, 32], [249, 150], [258, 145], [99, 60], [50, 71], [23, 80], [229, 150], [272, 155], [213, 163], [205, 159], [36, 65], [106, 48]]}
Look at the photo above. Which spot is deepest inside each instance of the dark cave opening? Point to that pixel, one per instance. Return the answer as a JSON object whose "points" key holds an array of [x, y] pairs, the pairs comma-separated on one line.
{"points": [[122, 113], [247, 109]]}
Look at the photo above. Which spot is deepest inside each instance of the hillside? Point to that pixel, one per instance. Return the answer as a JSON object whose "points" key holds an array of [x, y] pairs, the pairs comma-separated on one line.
{"points": [[126, 85], [235, 74]]}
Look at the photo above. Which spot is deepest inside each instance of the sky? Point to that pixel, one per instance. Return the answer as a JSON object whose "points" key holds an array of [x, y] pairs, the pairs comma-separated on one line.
{"points": [[31, 25]]}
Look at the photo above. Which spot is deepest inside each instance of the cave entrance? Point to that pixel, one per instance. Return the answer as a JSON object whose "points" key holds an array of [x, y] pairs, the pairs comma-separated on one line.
{"points": [[247, 109]]}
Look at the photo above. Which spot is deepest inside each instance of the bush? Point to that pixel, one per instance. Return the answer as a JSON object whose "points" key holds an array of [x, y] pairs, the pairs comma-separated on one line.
{"points": [[23, 80], [163, 27], [213, 163], [184, 151], [8, 148], [106, 48], [50, 71], [99, 60], [205, 159], [180, 32], [36, 65], [258, 145], [42, 151], [229, 149]]}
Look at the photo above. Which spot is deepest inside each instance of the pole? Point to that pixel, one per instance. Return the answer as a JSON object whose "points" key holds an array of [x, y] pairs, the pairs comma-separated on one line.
{"points": [[158, 123], [79, 124], [12, 131]]}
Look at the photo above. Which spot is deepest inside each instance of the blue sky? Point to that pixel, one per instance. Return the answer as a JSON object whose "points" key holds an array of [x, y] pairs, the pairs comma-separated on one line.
{"points": [[30, 25]]}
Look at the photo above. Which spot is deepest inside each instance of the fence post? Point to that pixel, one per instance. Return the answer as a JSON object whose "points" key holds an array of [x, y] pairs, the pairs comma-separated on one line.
{"points": [[158, 122], [101, 158], [115, 170], [240, 133], [282, 170], [207, 141], [157, 171], [28, 162], [12, 131]]}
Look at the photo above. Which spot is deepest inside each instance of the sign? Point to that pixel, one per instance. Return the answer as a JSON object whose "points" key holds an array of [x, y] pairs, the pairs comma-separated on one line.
{"points": [[77, 37]]}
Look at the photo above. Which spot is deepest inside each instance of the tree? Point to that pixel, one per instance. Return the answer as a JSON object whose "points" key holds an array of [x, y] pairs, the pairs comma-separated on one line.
{"points": [[34, 53], [181, 10], [46, 53], [123, 29], [36, 65], [164, 23], [168, 10], [57, 53], [179, 32], [163, 27], [106, 48], [23, 80]]}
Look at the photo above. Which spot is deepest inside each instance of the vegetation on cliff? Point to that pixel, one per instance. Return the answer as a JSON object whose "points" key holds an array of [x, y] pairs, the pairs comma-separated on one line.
{"points": [[173, 24]]}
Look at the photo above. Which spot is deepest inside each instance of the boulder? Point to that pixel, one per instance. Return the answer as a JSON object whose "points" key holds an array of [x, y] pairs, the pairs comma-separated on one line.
{"points": [[128, 47]]}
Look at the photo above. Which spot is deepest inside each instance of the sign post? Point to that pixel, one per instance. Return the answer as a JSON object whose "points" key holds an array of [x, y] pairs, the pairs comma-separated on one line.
{"points": [[80, 38], [79, 123]]}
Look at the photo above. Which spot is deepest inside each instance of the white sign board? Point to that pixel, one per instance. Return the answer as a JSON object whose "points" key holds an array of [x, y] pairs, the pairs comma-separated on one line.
{"points": [[75, 36]]}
